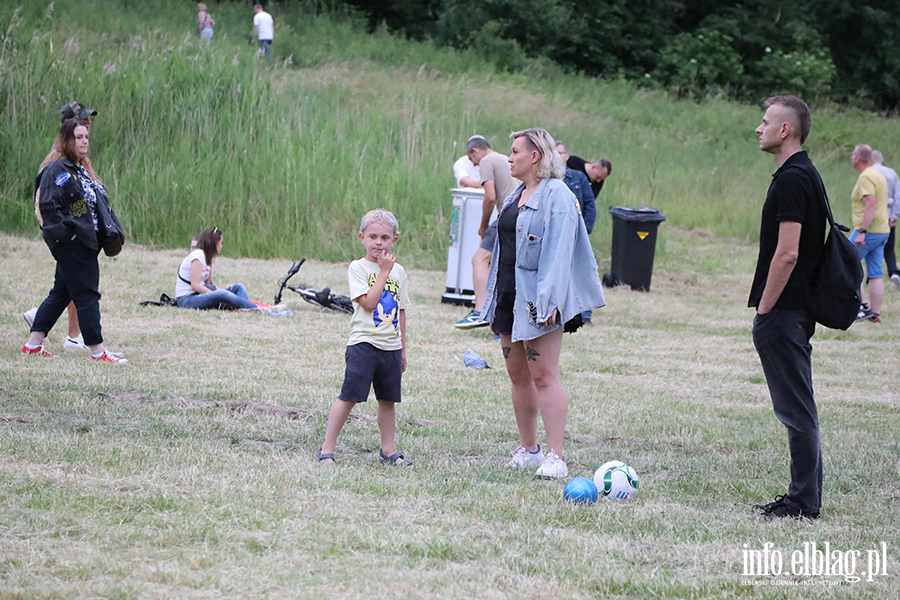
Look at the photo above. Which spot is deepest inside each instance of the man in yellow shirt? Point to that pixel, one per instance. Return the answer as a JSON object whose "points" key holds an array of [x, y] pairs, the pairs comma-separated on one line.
{"points": [[870, 228]]}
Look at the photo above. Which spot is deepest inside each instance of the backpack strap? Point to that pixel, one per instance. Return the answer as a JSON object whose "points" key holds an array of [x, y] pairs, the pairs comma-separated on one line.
{"points": [[820, 185]]}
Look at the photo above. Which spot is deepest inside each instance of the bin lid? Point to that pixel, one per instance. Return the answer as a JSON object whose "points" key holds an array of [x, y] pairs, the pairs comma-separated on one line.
{"points": [[639, 214]]}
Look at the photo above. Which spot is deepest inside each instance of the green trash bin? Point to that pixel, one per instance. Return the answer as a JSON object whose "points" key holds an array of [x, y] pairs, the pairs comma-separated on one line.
{"points": [[633, 246]]}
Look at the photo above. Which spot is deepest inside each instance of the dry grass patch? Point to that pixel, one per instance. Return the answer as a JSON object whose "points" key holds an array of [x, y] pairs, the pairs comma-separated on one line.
{"points": [[191, 471]]}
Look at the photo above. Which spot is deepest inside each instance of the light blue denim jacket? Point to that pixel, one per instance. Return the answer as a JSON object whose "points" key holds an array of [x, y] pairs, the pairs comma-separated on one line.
{"points": [[555, 265]]}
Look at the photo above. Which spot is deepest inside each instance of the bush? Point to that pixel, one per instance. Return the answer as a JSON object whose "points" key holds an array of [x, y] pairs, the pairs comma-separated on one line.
{"points": [[700, 65]]}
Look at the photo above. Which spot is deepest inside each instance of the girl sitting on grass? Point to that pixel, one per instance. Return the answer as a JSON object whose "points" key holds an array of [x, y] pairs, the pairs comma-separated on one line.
{"points": [[194, 286]]}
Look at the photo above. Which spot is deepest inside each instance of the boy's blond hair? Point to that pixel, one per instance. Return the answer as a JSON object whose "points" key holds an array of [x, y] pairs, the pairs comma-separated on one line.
{"points": [[380, 215]]}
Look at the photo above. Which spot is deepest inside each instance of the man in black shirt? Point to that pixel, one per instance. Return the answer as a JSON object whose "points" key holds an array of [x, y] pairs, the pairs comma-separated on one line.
{"points": [[596, 171], [791, 237]]}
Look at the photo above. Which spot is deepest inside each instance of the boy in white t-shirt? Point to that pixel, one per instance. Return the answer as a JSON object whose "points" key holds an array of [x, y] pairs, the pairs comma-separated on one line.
{"points": [[376, 350]]}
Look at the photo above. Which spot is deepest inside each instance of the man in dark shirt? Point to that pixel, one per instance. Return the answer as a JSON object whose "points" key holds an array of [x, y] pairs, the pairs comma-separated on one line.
{"points": [[791, 237], [596, 171]]}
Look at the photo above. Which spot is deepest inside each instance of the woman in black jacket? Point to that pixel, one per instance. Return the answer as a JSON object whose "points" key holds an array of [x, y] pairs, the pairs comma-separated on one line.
{"points": [[67, 192]]}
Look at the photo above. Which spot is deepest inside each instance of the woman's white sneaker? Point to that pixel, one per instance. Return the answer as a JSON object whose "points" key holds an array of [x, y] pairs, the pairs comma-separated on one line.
{"points": [[523, 459], [553, 467]]}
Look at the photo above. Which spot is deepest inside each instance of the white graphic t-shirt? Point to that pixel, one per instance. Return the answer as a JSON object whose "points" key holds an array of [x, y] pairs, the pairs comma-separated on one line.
{"points": [[380, 327]]}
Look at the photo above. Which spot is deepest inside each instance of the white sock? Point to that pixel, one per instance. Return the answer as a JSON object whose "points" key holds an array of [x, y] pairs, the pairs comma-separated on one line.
{"points": [[98, 355], [32, 346]]}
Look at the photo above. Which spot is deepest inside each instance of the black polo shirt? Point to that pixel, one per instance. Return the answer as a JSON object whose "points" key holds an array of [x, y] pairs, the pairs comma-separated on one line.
{"points": [[796, 194], [576, 163]]}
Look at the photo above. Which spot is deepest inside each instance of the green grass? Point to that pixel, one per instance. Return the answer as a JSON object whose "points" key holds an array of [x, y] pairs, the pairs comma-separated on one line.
{"points": [[284, 157], [191, 471]]}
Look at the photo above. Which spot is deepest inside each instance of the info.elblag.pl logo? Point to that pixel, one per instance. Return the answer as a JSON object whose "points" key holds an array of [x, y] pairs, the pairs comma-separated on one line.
{"points": [[815, 560]]}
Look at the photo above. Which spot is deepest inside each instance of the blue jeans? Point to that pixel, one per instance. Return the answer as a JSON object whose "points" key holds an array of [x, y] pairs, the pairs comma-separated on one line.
{"points": [[264, 44], [782, 341], [234, 296]]}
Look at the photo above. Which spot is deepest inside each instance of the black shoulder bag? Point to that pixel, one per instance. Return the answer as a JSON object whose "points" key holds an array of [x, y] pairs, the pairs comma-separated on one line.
{"points": [[110, 233]]}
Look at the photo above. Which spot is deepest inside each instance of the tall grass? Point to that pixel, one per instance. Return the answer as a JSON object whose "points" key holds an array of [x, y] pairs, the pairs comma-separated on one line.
{"points": [[285, 156]]}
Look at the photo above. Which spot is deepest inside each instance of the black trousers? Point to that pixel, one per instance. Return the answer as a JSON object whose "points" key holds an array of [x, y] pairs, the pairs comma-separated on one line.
{"points": [[889, 257], [77, 280], [782, 341]]}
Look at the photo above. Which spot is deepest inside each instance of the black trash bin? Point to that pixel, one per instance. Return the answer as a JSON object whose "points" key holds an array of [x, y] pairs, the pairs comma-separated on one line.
{"points": [[633, 246]]}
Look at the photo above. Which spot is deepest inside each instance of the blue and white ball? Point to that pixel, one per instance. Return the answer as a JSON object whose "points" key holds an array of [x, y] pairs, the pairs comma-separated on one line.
{"points": [[616, 480], [581, 490]]}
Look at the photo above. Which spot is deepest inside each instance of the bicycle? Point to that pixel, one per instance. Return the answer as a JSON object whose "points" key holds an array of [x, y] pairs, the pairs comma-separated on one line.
{"points": [[323, 298]]}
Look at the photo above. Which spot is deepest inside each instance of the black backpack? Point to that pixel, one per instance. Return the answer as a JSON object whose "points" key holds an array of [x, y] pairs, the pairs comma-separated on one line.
{"points": [[832, 295]]}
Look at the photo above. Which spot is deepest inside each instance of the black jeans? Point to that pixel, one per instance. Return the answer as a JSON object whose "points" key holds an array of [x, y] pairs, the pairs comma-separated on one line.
{"points": [[782, 341], [889, 257], [77, 280]]}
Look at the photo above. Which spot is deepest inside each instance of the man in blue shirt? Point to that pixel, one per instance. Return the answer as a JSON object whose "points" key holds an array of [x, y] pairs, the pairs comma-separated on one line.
{"points": [[581, 187]]}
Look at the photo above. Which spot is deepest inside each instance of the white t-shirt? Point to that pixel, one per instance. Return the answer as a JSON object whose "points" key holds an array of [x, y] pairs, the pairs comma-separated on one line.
{"points": [[184, 272], [464, 167], [263, 21], [380, 327]]}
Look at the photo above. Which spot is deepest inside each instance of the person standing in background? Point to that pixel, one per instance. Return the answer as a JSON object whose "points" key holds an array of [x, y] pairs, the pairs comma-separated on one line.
{"points": [[893, 202], [263, 29], [205, 23], [581, 187], [870, 229]]}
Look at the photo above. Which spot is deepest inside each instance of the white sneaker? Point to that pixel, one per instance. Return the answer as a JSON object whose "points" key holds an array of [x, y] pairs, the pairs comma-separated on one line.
{"points": [[75, 342], [553, 467], [29, 316], [523, 459], [895, 278]]}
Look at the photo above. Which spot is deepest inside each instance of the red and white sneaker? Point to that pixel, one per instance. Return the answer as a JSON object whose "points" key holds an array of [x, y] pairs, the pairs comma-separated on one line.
{"points": [[39, 351], [110, 357]]}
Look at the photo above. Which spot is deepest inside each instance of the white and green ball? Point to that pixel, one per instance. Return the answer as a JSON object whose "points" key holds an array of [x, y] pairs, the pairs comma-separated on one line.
{"points": [[616, 480]]}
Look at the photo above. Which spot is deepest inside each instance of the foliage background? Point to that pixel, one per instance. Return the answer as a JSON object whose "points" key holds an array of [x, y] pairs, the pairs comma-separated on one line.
{"points": [[286, 155], [827, 49]]}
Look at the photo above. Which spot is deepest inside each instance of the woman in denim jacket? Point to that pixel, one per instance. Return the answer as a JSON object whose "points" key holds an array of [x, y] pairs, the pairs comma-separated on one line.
{"points": [[543, 275]]}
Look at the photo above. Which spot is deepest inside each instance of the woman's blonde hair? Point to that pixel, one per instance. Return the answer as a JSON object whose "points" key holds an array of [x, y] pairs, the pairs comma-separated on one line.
{"points": [[551, 164], [201, 7]]}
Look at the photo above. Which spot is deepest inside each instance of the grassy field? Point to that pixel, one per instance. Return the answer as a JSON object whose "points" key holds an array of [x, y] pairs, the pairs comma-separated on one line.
{"points": [[284, 155], [191, 471]]}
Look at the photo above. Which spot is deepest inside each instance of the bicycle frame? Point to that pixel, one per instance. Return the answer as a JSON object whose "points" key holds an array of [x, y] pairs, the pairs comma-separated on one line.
{"points": [[321, 298]]}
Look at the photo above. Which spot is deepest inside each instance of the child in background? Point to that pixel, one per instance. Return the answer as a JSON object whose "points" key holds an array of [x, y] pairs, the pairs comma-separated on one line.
{"points": [[376, 350]]}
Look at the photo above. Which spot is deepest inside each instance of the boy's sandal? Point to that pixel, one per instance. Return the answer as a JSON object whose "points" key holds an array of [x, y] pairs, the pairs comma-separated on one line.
{"points": [[326, 456], [393, 458]]}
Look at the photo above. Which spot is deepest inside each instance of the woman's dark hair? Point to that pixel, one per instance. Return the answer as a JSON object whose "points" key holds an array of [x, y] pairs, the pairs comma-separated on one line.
{"points": [[208, 241], [65, 146]]}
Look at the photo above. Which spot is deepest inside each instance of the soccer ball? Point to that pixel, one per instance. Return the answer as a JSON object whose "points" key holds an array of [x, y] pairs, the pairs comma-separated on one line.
{"points": [[616, 480], [581, 490]]}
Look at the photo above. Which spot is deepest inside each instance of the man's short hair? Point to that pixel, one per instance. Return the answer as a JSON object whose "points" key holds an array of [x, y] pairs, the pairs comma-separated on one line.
{"points": [[603, 164], [257, 7], [864, 153], [563, 144], [877, 156], [800, 111], [477, 142]]}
